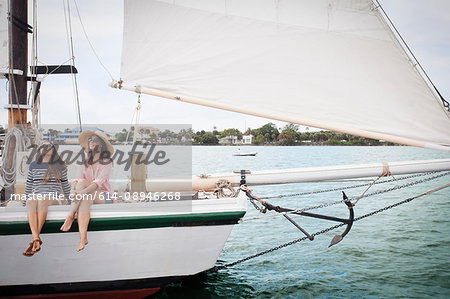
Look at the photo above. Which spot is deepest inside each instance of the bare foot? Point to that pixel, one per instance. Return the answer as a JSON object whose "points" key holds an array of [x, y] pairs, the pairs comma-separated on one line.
{"points": [[67, 223], [81, 245]]}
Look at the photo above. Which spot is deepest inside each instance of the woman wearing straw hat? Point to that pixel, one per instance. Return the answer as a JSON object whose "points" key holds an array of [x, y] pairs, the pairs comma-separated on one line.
{"points": [[93, 183]]}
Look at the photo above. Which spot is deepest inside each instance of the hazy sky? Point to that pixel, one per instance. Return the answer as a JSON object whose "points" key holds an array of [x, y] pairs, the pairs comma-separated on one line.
{"points": [[425, 25]]}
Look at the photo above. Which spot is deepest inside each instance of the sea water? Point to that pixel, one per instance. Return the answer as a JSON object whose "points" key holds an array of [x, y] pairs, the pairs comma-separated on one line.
{"points": [[403, 252]]}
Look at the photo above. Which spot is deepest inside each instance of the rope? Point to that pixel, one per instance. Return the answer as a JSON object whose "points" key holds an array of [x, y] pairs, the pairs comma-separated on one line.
{"points": [[90, 44], [135, 119], [9, 173], [223, 185], [68, 21], [444, 102], [386, 172]]}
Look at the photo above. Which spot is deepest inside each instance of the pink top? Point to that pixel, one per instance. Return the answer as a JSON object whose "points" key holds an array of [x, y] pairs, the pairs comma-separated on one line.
{"points": [[100, 176]]}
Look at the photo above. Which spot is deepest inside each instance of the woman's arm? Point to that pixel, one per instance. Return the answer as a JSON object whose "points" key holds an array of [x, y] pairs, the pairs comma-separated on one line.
{"points": [[91, 188], [30, 182], [103, 174], [65, 184]]}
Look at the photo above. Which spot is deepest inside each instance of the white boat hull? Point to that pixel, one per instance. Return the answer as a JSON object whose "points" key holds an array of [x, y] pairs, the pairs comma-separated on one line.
{"points": [[116, 258]]}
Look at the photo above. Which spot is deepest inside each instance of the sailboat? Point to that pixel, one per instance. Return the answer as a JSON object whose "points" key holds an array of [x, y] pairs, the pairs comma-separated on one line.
{"points": [[314, 63]]}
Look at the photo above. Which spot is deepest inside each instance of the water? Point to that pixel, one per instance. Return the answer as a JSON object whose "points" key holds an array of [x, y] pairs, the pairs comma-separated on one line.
{"points": [[401, 253]]}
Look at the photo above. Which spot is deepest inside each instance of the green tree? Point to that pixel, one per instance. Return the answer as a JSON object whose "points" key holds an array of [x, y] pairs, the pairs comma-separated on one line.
{"points": [[269, 132], [288, 135], [231, 132], [209, 138]]}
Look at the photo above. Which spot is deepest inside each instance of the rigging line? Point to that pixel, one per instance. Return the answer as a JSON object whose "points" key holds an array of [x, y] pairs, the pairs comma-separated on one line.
{"points": [[328, 229], [89, 42], [56, 68], [444, 102], [71, 51], [370, 186], [133, 118]]}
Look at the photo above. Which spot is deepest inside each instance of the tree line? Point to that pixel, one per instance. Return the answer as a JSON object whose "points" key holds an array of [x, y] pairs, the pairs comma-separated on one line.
{"points": [[269, 134]]}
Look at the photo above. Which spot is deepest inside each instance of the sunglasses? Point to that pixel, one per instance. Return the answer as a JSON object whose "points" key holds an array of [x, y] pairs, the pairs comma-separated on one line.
{"points": [[46, 146], [94, 139]]}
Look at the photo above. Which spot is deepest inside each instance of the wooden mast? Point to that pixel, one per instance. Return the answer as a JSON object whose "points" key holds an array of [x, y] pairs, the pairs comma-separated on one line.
{"points": [[18, 61]]}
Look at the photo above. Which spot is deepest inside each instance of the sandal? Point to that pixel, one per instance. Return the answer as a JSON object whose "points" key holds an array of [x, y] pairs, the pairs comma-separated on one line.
{"points": [[29, 250], [40, 243]]}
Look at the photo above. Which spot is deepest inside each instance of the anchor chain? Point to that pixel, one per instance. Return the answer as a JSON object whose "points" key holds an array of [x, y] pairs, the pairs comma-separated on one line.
{"points": [[346, 187], [376, 192], [333, 227]]}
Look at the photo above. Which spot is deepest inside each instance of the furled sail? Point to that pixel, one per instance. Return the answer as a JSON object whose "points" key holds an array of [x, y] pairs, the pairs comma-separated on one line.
{"points": [[4, 60], [323, 63]]}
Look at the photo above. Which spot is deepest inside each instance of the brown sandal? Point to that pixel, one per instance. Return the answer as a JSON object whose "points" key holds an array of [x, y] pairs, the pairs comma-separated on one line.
{"points": [[29, 250], [40, 243]]}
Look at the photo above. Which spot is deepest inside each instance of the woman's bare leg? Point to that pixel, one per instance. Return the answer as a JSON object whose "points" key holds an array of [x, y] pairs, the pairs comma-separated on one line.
{"points": [[32, 213], [84, 215], [32, 222], [71, 215], [74, 206]]}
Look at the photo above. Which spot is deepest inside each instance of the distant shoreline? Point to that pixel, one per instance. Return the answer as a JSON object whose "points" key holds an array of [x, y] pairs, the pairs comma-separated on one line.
{"points": [[318, 144]]}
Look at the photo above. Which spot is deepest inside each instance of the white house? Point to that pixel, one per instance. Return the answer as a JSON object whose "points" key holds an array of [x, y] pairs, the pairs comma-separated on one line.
{"points": [[247, 139], [229, 140]]}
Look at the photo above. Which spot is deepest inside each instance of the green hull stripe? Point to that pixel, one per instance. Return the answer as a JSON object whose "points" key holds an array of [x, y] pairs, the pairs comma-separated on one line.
{"points": [[121, 223]]}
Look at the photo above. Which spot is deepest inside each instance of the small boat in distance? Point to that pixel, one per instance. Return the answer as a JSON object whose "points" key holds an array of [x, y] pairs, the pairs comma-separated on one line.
{"points": [[239, 153]]}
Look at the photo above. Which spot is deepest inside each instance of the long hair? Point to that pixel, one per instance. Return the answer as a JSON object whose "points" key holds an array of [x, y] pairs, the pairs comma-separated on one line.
{"points": [[55, 166], [105, 154]]}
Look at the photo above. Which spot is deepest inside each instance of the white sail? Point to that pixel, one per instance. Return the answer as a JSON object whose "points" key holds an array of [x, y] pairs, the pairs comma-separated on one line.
{"points": [[323, 63], [4, 60]]}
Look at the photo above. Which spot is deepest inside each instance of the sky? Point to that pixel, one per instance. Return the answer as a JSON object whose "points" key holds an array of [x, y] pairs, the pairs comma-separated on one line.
{"points": [[424, 24]]}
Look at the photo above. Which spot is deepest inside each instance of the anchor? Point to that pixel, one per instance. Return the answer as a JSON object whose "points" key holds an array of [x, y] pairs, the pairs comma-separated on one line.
{"points": [[336, 239]]}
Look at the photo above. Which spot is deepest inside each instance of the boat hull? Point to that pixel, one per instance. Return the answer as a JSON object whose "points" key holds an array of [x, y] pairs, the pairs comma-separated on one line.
{"points": [[161, 248]]}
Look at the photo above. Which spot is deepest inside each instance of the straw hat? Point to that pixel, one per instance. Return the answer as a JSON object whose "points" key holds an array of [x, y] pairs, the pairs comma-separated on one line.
{"points": [[85, 135]]}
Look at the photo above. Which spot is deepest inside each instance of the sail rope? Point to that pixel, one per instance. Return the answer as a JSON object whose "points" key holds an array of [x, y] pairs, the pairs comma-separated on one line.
{"points": [[135, 119], [444, 102], [330, 228], [89, 41], [69, 35]]}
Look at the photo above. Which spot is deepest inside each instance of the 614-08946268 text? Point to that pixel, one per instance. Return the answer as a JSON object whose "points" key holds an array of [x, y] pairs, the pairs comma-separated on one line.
{"points": [[147, 196]]}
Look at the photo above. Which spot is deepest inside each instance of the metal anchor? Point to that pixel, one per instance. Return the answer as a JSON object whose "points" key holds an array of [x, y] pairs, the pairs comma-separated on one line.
{"points": [[284, 211], [348, 221]]}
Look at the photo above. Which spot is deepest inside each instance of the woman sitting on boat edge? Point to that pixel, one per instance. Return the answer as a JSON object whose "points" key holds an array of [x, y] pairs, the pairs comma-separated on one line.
{"points": [[46, 176], [93, 183]]}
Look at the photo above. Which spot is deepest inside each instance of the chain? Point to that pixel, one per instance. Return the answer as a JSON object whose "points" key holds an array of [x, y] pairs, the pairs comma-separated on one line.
{"points": [[346, 187], [365, 196], [262, 210], [374, 193], [278, 247], [330, 228]]}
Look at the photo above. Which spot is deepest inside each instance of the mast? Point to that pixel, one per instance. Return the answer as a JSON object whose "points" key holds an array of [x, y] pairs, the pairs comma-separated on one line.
{"points": [[19, 28]]}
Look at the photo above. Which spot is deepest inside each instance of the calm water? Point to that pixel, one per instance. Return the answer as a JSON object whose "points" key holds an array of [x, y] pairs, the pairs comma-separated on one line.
{"points": [[401, 253]]}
